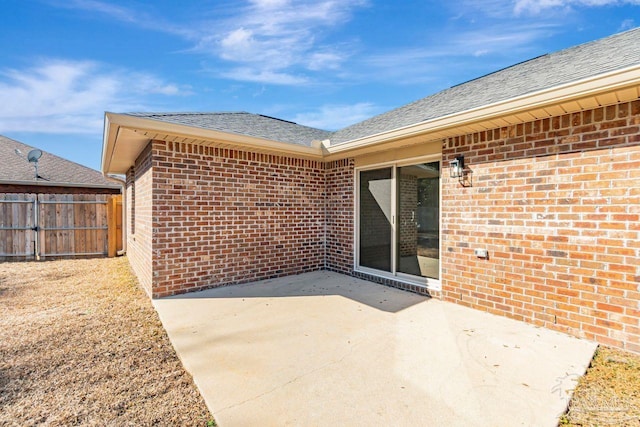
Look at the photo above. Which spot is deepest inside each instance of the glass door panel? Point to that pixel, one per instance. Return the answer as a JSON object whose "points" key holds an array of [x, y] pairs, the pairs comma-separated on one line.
{"points": [[418, 243], [376, 221]]}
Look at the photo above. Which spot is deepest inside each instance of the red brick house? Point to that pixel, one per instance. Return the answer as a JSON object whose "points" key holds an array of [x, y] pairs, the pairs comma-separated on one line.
{"points": [[539, 221]]}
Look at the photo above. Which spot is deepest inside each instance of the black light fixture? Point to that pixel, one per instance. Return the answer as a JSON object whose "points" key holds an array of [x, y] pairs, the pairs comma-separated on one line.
{"points": [[456, 168]]}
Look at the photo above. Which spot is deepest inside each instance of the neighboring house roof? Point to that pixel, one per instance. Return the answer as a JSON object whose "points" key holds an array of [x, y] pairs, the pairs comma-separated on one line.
{"points": [[547, 71], [242, 123], [53, 170], [602, 72]]}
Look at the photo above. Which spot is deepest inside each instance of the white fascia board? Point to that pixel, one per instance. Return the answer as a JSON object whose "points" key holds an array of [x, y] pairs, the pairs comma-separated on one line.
{"points": [[108, 142], [535, 100]]}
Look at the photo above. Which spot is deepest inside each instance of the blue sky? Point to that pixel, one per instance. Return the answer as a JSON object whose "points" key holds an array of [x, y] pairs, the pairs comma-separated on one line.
{"points": [[321, 63]]}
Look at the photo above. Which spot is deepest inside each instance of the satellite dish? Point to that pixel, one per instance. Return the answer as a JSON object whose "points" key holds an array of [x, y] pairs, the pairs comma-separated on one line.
{"points": [[34, 155]]}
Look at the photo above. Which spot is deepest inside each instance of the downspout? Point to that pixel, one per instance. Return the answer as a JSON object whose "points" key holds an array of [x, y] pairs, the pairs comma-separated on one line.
{"points": [[123, 191]]}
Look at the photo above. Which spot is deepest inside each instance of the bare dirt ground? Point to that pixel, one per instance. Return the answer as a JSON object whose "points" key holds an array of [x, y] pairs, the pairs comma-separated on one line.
{"points": [[80, 344]]}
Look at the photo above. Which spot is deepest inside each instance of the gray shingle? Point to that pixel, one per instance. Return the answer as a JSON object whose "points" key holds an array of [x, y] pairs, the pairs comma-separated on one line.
{"points": [[56, 170], [544, 72], [242, 123]]}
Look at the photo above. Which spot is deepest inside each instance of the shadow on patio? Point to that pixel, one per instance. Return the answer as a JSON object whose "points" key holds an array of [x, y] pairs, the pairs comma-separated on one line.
{"points": [[317, 283]]}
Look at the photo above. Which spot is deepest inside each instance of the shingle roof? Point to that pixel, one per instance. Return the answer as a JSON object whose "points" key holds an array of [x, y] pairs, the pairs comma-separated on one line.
{"points": [[544, 72], [56, 170], [243, 123]]}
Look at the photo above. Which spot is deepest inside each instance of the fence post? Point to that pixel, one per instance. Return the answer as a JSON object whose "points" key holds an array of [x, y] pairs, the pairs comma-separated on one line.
{"points": [[112, 227], [36, 228]]}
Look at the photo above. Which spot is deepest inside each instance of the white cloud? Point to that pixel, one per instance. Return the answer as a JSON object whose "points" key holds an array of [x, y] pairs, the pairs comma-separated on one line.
{"points": [[146, 84], [264, 38], [137, 17], [320, 61], [500, 38], [237, 43], [333, 117], [118, 12], [627, 24], [274, 37], [458, 52], [492, 8], [59, 96], [537, 6], [506, 8], [255, 75]]}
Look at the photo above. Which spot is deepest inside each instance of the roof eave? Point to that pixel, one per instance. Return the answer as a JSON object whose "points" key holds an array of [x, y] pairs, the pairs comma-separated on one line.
{"points": [[149, 129], [579, 89]]}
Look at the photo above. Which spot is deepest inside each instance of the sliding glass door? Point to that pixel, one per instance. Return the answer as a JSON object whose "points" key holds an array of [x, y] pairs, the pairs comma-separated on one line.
{"points": [[399, 220], [418, 232], [375, 219]]}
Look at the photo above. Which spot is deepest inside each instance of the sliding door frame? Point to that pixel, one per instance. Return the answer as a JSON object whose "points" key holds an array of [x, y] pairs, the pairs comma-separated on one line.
{"points": [[426, 282]]}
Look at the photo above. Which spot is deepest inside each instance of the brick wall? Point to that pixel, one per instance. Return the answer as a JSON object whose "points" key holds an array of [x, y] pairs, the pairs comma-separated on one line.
{"points": [[138, 219], [557, 204], [339, 195], [224, 216]]}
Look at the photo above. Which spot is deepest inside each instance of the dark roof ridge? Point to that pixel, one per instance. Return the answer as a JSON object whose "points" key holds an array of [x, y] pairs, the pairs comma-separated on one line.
{"points": [[182, 113], [500, 70], [282, 120], [566, 50]]}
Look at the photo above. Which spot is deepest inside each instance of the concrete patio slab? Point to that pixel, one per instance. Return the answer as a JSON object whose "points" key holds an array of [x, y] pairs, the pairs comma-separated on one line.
{"points": [[327, 349]]}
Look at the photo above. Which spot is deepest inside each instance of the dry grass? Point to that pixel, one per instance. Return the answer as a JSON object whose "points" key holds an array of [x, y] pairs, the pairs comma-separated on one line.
{"points": [[80, 344], [609, 393]]}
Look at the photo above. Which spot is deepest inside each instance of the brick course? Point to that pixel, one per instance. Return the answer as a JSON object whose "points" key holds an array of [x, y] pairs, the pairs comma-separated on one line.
{"points": [[557, 204], [225, 216], [339, 176], [139, 183]]}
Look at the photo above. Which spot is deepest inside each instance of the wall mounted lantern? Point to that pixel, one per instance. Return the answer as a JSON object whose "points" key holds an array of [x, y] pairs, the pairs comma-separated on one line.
{"points": [[456, 168]]}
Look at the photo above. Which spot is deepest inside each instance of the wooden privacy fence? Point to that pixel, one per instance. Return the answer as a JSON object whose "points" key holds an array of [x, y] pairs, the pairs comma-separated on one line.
{"points": [[39, 226]]}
